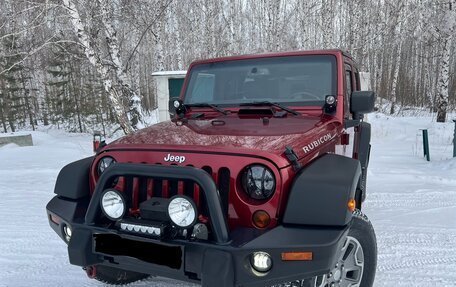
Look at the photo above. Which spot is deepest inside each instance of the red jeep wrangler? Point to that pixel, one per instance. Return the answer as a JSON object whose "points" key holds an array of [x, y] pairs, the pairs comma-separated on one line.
{"points": [[258, 180]]}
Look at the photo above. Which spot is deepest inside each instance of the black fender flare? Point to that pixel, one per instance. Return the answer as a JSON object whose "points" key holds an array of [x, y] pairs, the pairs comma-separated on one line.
{"points": [[73, 180], [321, 191], [364, 144], [364, 148]]}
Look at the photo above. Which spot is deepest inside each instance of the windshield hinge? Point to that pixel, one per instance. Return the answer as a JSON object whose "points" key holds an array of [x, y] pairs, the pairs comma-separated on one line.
{"points": [[351, 123], [293, 158]]}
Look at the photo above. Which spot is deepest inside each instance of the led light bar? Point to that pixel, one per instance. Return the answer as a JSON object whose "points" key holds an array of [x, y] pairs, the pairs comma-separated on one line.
{"points": [[143, 229]]}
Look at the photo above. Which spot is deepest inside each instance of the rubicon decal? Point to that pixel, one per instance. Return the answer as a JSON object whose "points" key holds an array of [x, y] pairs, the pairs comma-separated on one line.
{"points": [[313, 145], [174, 158]]}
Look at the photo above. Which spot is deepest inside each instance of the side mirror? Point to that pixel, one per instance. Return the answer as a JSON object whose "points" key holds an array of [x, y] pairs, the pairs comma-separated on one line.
{"points": [[362, 102]]}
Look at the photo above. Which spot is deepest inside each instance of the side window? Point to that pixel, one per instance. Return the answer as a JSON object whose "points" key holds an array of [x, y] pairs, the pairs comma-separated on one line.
{"points": [[357, 81], [348, 81], [348, 90]]}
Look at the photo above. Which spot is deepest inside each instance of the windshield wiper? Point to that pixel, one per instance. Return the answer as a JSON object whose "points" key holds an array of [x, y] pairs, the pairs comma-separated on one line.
{"points": [[214, 107], [271, 104]]}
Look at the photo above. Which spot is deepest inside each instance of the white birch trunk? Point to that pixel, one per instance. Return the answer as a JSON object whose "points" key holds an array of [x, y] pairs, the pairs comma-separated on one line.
{"points": [[135, 113], [327, 23], [444, 69], [396, 29], [96, 61], [396, 66], [232, 30], [443, 82], [159, 46], [178, 42]]}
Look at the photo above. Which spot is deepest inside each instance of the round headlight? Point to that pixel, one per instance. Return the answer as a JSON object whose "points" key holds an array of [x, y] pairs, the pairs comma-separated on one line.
{"points": [[104, 163], [258, 182], [113, 204], [182, 211]]}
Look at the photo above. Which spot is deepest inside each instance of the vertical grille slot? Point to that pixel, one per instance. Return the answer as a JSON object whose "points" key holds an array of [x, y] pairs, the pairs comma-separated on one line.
{"points": [[203, 202], [207, 169], [135, 196], [128, 187], [197, 196], [223, 185], [143, 186], [189, 188], [165, 189], [173, 187], [150, 188], [157, 188]]}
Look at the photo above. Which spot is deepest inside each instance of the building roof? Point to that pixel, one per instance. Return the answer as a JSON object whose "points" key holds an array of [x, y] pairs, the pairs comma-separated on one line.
{"points": [[169, 73]]}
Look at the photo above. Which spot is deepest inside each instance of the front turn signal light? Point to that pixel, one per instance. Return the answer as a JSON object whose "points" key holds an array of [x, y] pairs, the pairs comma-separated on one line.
{"points": [[351, 205], [261, 219], [297, 256]]}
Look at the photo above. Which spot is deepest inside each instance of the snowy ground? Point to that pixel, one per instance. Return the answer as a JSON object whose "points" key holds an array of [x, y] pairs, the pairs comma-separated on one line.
{"points": [[411, 202]]}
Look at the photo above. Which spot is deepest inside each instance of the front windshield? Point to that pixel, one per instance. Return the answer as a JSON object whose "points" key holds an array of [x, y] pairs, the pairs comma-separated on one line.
{"points": [[301, 80]]}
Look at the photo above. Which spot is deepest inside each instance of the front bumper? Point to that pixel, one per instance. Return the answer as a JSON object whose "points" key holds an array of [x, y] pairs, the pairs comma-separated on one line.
{"points": [[200, 261], [224, 261]]}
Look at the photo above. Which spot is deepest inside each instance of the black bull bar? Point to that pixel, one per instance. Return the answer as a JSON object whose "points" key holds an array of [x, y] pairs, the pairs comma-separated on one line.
{"points": [[199, 176]]}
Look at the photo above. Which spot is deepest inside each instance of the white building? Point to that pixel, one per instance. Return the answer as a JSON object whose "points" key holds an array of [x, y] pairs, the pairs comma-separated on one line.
{"points": [[168, 84]]}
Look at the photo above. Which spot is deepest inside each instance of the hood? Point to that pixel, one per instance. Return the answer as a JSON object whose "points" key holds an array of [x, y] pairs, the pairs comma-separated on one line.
{"points": [[233, 134]]}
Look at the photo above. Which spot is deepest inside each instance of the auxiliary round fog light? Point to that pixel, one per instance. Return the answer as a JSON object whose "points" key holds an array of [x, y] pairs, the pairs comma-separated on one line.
{"points": [[182, 211], [330, 100], [261, 261], [113, 204], [67, 232]]}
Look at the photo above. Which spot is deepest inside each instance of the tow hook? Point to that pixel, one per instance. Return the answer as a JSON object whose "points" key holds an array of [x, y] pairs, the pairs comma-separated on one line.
{"points": [[91, 271]]}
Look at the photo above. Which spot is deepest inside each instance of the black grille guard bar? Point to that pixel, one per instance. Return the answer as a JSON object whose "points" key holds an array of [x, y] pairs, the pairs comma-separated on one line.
{"points": [[200, 177]]}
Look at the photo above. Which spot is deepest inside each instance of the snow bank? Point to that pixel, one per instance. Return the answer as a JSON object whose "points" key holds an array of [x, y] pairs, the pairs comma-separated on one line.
{"points": [[9, 146], [20, 133]]}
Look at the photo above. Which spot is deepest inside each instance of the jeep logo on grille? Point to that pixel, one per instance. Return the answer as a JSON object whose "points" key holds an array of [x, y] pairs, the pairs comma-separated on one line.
{"points": [[174, 158]]}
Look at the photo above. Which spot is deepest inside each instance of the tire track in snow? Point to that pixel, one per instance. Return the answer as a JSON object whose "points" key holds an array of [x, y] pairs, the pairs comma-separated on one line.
{"points": [[415, 199], [417, 263], [408, 236]]}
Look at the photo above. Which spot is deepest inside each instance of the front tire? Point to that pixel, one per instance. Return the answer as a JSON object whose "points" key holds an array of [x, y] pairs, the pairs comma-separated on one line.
{"points": [[112, 275], [357, 259]]}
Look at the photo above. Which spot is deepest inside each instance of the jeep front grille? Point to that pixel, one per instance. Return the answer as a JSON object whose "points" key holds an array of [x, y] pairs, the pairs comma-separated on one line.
{"points": [[140, 189]]}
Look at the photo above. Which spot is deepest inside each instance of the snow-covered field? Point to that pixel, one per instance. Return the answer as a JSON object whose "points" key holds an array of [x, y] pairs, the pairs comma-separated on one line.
{"points": [[411, 202]]}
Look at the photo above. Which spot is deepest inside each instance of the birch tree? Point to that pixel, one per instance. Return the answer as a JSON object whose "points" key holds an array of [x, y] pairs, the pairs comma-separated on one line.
{"points": [[446, 35], [395, 27], [135, 113], [95, 59]]}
